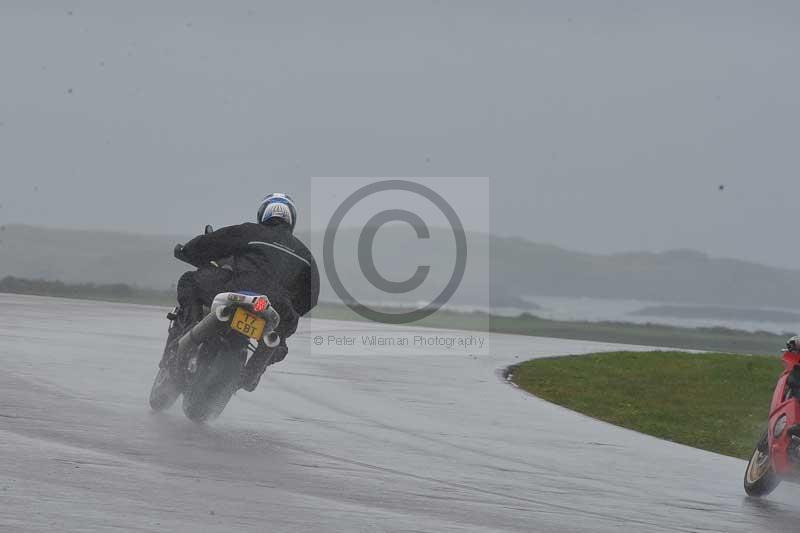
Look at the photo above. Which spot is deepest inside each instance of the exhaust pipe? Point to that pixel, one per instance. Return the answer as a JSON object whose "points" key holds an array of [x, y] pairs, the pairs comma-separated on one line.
{"points": [[200, 332], [272, 339]]}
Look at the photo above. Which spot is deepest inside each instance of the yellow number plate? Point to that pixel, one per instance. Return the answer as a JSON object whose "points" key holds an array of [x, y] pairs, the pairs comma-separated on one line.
{"points": [[248, 324]]}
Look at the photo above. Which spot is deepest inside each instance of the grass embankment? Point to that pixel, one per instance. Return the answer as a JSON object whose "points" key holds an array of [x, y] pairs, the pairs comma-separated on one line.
{"points": [[717, 402]]}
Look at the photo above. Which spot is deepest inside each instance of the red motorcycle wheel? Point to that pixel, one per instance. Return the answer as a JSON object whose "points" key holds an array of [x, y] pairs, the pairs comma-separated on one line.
{"points": [[759, 477]]}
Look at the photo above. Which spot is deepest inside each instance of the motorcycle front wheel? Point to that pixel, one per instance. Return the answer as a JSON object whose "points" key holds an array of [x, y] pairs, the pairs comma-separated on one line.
{"points": [[759, 476], [164, 391]]}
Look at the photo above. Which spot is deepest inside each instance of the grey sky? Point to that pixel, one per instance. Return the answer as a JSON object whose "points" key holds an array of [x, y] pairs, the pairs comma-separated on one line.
{"points": [[605, 126]]}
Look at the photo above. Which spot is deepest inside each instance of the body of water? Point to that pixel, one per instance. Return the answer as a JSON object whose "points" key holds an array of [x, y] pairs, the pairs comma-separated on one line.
{"points": [[592, 309]]}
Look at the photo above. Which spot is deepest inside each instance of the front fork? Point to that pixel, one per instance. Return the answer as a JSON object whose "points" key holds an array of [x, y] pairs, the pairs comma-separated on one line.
{"points": [[172, 336], [180, 322]]}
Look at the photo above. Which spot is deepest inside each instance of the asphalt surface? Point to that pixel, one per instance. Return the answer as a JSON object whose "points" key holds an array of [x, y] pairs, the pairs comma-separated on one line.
{"points": [[347, 438]]}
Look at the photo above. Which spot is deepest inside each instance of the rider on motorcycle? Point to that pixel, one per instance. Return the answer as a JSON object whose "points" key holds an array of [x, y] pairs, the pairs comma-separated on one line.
{"points": [[263, 257]]}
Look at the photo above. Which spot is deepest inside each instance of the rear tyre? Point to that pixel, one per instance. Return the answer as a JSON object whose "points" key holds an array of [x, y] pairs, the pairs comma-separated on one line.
{"points": [[759, 477], [213, 386], [164, 392]]}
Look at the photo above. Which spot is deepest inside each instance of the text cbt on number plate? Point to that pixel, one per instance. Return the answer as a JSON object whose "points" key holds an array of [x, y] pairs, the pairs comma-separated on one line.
{"points": [[248, 324]]}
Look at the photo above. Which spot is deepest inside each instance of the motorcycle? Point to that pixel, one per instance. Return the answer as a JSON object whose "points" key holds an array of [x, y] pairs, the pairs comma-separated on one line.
{"points": [[204, 364], [777, 454]]}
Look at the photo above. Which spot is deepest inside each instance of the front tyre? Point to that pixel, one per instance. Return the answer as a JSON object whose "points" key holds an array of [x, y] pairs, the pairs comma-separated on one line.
{"points": [[759, 477], [164, 391], [213, 386]]}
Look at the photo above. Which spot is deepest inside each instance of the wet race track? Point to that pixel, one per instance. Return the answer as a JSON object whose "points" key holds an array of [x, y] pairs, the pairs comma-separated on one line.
{"points": [[351, 439]]}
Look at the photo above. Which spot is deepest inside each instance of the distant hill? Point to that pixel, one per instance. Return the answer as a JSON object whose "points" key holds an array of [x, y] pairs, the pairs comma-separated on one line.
{"points": [[512, 268], [75, 256]]}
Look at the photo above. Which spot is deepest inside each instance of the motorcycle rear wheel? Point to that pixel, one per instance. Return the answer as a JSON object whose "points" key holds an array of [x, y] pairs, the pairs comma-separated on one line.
{"points": [[759, 477], [212, 387]]}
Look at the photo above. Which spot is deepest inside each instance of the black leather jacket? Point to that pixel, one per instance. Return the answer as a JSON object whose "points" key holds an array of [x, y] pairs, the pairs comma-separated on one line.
{"points": [[266, 258]]}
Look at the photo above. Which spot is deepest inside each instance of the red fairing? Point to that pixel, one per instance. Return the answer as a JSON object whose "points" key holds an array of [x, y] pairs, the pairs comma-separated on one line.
{"points": [[779, 407]]}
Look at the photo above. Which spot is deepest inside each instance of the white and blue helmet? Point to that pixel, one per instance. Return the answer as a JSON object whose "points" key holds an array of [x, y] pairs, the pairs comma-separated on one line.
{"points": [[278, 205]]}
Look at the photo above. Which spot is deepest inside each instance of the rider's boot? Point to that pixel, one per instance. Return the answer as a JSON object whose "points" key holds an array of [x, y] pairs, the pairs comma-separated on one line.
{"points": [[258, 363]]}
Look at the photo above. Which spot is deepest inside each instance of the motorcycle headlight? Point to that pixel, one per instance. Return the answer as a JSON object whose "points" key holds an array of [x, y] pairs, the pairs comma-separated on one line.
{"points": [[780, 425]]}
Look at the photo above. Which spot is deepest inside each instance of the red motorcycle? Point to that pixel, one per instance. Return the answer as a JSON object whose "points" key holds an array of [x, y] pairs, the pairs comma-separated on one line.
{"points": [[777, 454]]}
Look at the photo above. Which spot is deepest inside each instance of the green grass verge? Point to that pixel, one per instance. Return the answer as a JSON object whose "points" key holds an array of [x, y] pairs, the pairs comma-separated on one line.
{"points": [[717, 402]]}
